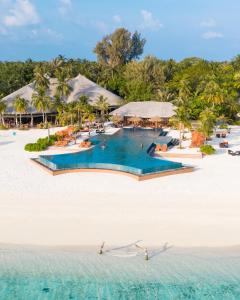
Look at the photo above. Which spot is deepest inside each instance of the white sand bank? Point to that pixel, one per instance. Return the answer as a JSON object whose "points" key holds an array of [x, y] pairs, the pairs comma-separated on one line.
{"points": [[194, 209]]}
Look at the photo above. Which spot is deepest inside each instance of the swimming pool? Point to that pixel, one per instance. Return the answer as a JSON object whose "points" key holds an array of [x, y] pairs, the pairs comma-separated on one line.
{"points": [[124, 151]]}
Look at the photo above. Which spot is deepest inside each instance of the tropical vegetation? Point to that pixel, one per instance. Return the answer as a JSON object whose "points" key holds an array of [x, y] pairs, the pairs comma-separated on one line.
{"points": [[41, 144], [201, 90], [207, 149]]}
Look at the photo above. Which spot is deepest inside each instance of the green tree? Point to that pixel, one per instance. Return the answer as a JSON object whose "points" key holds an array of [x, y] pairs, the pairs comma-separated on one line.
{"points": [[3, 107], [181, 120], [56, 64], [63, 88], [213, 94], [20, 105], [143, 79], [102, 105], [42, 102], [82, 107], [182, 111], [208, 121], [41, 77], [119, 48]]}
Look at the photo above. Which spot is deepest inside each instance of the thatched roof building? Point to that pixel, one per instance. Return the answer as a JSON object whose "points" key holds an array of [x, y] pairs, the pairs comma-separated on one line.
{"points": [[80, 86], [146, 110]]}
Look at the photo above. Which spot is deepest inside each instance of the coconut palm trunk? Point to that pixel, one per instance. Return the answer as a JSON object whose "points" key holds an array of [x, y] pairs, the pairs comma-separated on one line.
{"points": [[2, 120], [31, 120]]}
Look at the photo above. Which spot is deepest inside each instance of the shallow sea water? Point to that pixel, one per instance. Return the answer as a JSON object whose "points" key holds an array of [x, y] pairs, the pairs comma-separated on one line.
{"points": [[42, 273]]}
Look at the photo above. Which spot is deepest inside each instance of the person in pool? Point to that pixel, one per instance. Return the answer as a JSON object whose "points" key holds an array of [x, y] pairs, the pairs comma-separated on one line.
{"points": [[103, 146]]}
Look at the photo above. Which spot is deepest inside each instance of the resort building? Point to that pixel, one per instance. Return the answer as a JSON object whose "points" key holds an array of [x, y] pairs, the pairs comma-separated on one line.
{"points": [[80, 85], [147, 112]]}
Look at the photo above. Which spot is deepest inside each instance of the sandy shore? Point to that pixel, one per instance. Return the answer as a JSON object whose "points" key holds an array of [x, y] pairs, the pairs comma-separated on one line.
{"points": [[196, 209]]}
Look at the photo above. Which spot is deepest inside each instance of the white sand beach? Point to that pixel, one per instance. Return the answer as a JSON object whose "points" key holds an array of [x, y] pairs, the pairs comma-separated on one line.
{"points": [[194, 209]]}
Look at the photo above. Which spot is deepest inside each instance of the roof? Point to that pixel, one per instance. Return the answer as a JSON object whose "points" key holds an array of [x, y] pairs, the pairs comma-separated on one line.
{"points": [[146, 109], [80, 86]]}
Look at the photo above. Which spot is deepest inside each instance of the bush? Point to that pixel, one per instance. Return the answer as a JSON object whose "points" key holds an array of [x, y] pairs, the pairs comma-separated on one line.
{"points": [[34, 147], [236, 122], [223, 126], [207, 149], [41, 144]]}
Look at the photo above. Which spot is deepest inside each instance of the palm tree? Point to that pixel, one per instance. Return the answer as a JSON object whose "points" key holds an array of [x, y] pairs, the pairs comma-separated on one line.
{"points": [[213, 94], [20, 105], [57, 106], [41, 102], [117, 119], [63, 87], [163, 95], [102, 105], [71, 111], [237, 80], [41, 78], [91, 117], [184, 90], [208, 120], [82, 107], [56, 64], [181, 120], [3, 107]]}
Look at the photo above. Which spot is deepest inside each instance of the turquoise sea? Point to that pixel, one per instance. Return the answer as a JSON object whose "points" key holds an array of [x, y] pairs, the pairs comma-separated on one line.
{"points": [[36, 273]]}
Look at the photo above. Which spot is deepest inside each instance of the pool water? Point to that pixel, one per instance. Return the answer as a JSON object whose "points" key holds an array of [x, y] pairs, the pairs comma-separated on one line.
{"points": [[124, 151], [175, 274]]}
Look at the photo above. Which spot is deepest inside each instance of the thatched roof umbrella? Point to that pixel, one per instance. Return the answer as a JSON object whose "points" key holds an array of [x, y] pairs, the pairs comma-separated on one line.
{"points": [[116, 119], [156, 120], [135, 120]]}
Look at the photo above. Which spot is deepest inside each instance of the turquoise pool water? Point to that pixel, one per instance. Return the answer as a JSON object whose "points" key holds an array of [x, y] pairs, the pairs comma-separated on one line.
{"points": [[124, 151], [176, 274]]}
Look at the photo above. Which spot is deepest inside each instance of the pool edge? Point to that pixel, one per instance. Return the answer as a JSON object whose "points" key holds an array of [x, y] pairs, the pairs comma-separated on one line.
{"points": [[184, 169]]}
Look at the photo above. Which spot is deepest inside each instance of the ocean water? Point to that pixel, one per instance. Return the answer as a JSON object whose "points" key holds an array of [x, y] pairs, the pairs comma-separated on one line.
{"points": [[42, 273], [124, 151]]}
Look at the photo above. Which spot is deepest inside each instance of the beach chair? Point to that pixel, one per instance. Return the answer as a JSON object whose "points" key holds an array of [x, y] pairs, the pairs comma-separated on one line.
{"points": [[223, 144], [234, 153], [164, 148]]}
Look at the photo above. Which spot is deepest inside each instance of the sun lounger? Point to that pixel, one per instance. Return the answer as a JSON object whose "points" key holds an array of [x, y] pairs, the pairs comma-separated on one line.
{"points": [[100, 131], [85, 144], [234, 153], [223, 145], [61, 143], [164, 148], [163, 133]]}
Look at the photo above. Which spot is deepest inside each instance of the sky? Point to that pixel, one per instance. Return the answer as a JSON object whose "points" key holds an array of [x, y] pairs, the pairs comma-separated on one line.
{"points": [[43, 29]]}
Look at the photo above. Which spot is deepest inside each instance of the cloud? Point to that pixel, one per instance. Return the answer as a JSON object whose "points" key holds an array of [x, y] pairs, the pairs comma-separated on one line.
{"points": [[21, 13], [208, 23], [212, 35], [117, 19], [45, 34], [65, 6], [149, 22], [100, 26]]}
